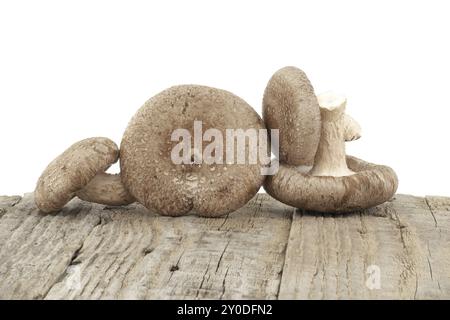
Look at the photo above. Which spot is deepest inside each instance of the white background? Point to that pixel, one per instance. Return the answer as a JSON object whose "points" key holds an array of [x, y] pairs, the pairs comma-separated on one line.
{"points": [[76, 69]]}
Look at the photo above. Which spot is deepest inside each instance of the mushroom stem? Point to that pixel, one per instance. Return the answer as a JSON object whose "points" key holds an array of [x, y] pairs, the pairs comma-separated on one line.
{"points": [[106, 189], [337, 128]]}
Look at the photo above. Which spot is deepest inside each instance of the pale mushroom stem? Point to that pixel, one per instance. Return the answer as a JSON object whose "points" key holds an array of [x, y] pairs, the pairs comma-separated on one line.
{"points": [[106, 189], [337, 127]]}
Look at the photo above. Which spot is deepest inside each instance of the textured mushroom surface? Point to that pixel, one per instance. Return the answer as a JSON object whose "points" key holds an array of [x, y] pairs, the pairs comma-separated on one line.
{"points": [[72, 170], [291, 106], [151, 176], [371, 185], [106, 189]]}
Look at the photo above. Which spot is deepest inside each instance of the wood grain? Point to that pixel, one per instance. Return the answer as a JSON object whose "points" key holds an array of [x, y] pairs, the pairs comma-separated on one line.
{"points": [[265, 250], [36, 249], [6, 203], [333, 256], [136, 255]]}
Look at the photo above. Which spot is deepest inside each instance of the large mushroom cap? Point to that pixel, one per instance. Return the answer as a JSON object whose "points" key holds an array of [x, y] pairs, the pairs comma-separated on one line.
{"points": [[72, 170], [291, 106], [371, 185], [151, 176]]}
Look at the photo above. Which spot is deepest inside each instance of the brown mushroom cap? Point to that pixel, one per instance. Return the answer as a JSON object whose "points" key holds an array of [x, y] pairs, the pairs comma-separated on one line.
{"points": [[151, 176], [291, 106], [371, 185], [72, 170]]}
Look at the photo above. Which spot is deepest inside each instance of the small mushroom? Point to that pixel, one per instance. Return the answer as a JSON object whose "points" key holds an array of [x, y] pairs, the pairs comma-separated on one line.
{"points": [[290, 105], [196, 186], [80, 171]]}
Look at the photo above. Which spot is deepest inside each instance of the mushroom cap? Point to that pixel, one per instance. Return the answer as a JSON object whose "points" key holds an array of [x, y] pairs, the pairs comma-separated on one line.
{"points": [[371, 185], [290, 105], [161, 185], [72, 170]]}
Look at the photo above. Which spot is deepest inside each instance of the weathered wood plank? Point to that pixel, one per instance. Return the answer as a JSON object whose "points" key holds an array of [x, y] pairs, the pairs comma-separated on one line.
{"points": [[137, 255], [339, 256], [435, 237], [35, 249], [6, 203], [263, 250]]}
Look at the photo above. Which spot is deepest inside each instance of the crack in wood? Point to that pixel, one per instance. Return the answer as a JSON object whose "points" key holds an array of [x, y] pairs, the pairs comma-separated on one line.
{"points": [[432, 212], [221, 255], [280, 273]]}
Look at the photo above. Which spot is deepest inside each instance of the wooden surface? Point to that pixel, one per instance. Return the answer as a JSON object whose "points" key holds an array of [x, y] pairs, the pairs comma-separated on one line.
{"points": [[266, 250]]}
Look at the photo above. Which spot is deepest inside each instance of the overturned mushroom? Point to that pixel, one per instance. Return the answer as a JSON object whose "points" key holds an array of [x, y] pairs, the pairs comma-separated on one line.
{"points": [[80, 171], [371, 185], [335, 182]]}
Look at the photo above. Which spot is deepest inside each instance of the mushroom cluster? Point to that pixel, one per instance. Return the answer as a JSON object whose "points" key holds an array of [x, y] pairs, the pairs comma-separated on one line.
{"points": [[318, 175], [148, 174], [314, 171]]}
